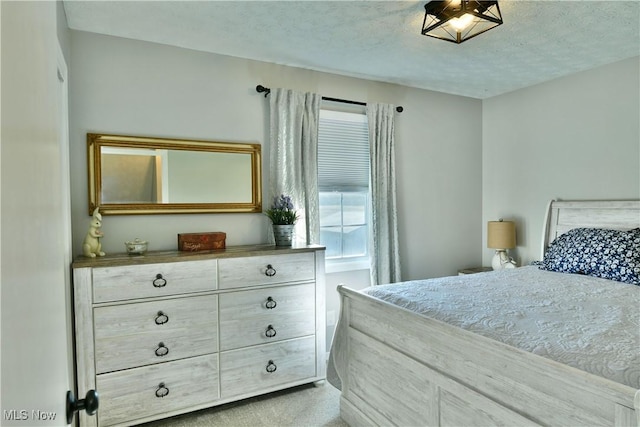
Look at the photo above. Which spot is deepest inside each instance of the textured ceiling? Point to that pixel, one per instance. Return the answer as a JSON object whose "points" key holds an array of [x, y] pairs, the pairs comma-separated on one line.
{"points": [[381, 40]]}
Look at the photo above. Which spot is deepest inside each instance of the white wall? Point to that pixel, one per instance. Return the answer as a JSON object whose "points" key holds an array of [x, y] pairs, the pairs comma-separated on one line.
{"points": [[35, 342], [62, 30], [139, 88], [573, 138], [439, 166], [136, 88]]}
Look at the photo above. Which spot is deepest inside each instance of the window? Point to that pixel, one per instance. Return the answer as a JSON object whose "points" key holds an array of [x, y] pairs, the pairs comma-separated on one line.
{"points": [[343, 184]]}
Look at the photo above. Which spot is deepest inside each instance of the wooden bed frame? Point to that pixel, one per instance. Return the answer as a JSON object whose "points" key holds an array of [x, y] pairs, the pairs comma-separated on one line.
{"points": [[402, 369]]}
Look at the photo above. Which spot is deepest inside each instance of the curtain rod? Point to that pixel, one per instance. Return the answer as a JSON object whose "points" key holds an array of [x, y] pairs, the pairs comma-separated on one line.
{"points": [[267, 91]]}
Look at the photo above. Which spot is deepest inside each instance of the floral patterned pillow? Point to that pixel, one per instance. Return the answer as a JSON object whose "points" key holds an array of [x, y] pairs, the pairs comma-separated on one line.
{"points": [[610, 254]]}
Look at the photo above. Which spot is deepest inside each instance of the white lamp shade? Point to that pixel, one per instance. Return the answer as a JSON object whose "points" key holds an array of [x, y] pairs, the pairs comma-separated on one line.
{"points": [[501, 234]]}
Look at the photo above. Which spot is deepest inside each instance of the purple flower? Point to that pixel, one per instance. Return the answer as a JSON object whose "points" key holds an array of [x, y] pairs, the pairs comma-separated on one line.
{"points": [[282, 202]]}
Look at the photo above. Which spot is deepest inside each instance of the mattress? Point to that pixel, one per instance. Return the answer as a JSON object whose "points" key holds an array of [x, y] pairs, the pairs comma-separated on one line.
{"points": [[589, 323]]}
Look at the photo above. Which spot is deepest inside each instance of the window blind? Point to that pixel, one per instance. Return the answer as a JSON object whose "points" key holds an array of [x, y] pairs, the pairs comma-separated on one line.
{"points": [[343, 152]]}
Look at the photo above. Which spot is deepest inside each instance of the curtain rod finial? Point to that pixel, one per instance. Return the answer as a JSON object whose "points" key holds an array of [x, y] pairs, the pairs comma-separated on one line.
{"points": [[261, 89]]}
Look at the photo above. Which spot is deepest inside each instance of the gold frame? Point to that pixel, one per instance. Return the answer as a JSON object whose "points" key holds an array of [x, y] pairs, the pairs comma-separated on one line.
{"points": [[96, 141]]}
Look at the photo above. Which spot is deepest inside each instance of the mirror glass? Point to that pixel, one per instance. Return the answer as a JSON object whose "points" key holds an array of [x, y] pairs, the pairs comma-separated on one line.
{"points": [[140, 175]]}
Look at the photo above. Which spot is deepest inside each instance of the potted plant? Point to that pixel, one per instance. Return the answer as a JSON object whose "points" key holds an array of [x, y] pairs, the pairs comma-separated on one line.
{"points": [[283, 216]]}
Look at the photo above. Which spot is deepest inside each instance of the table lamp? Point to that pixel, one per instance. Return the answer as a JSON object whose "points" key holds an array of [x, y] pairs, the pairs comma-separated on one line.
{"points": [[501, 236]]}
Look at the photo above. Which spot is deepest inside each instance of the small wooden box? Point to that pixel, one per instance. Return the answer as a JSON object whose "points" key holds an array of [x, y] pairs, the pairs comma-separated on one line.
{"points": [[191, 242]]}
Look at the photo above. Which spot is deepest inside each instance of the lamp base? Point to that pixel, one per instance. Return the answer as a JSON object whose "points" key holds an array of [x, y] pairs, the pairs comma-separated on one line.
{"points": [[501, 260]]}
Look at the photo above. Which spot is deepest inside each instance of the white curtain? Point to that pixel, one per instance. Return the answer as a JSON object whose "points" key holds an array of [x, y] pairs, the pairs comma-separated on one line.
{"points": [[385, 258], [294, 157]]}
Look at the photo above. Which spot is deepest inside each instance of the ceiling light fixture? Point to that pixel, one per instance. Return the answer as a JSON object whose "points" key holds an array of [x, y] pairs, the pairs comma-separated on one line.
{"points": [[459, 20]]}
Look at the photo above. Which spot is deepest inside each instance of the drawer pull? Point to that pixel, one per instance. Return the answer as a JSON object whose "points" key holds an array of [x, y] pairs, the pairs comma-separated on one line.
{"points": [[162, 390], [270, 332], [270, 271], [161, 318], [159, 281], [271, 367], [162, 350], [270, 304]]}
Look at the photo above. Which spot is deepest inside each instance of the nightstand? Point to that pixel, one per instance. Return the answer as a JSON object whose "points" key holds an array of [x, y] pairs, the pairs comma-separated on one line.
{"points": [[473, 270]]}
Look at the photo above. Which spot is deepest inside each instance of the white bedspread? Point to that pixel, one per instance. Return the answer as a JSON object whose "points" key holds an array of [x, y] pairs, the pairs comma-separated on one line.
{"points": [[589, 323]]}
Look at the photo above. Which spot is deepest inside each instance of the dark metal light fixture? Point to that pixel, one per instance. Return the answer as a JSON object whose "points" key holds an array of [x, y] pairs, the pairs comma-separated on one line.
{"points": [[459, 20]]}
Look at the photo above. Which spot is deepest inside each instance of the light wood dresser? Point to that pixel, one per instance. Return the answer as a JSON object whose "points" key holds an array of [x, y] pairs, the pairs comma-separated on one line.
{"points": [[171, 332]]}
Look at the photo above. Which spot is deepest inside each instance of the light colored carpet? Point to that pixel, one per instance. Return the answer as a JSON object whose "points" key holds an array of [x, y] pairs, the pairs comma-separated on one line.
{"points": [[303, 406]]}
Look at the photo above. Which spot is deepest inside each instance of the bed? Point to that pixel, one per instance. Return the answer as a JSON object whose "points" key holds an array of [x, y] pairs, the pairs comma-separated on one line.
{"points": [[524, 346]]}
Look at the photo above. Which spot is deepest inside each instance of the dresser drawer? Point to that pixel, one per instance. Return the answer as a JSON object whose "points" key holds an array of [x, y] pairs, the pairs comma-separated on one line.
{"points": [[138, 393], [264, 270], [245, 318], [131, 335], [150, 280], [267, 365]]}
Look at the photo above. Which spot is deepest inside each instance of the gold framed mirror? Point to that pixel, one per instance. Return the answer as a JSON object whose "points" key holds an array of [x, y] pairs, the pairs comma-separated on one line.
{"points": [[148, 175]]}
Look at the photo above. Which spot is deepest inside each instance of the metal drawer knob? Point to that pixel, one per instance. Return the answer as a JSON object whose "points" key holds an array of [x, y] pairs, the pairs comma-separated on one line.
{"points": [[162, 350], [271, 367], [270, 304], [159, 281], [270, 332], [162, 390], [270, 271], [161, 318]]}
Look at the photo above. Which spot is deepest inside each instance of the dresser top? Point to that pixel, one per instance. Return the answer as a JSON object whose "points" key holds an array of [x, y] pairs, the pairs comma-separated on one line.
{"points": [[153, 257]]}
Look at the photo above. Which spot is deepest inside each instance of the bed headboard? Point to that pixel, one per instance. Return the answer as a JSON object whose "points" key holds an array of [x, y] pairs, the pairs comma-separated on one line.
{"points": [[563, 216]]}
